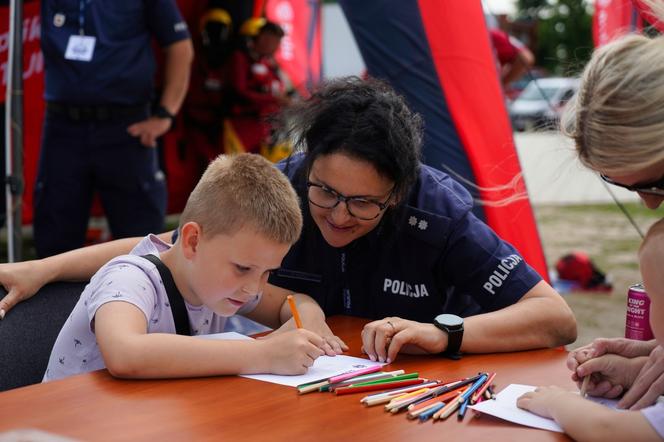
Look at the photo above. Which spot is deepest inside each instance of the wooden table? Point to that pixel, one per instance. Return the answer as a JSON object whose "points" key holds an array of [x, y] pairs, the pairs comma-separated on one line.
{"points": [[95, 406]]}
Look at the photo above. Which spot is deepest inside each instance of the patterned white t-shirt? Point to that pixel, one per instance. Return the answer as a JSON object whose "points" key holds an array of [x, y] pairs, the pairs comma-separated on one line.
{"points": [[128, 278]]}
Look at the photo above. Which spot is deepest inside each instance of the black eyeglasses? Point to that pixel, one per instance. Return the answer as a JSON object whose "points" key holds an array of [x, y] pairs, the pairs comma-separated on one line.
{"points": [[361, 208], [652, 188]]}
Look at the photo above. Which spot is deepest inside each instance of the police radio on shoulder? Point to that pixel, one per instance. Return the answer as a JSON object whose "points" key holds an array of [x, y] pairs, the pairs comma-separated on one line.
{"points": [[453, 326]]}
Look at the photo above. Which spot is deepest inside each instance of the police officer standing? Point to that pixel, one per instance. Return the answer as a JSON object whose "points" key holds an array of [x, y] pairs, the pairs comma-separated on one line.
{"points": [[99, 131]]}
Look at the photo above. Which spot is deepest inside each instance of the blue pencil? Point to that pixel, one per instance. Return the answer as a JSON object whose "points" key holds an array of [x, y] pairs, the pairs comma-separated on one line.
{"points": [[430, 412], [462, 409]]}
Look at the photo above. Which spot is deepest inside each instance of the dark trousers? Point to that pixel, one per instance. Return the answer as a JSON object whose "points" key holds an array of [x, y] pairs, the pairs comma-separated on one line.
{"points": [[81, 157]]}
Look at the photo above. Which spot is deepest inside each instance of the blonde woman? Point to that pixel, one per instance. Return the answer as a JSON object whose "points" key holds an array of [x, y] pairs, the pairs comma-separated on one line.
{"points": [[617, 124]]}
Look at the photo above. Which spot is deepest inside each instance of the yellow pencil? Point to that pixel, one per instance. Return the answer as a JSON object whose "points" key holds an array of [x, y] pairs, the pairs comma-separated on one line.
{"points": [[293, 309]]}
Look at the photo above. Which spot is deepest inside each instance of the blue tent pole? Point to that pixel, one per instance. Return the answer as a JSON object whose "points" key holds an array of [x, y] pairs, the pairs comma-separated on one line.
{"points": [[14, 132]]}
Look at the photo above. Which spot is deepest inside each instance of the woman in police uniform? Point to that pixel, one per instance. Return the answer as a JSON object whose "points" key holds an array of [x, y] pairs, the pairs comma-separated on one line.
{"points": [[385, 238]]}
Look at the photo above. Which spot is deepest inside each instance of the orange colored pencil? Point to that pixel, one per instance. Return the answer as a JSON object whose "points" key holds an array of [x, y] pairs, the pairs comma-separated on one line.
{"points": [[293, 309]]}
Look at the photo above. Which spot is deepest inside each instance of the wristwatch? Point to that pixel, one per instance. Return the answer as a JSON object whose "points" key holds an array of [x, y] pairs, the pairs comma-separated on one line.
{"points": [[161, 112], [453, 326]]}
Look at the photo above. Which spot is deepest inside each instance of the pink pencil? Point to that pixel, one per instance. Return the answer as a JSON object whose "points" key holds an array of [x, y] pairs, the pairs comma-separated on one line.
{"points": [[352, 374]]}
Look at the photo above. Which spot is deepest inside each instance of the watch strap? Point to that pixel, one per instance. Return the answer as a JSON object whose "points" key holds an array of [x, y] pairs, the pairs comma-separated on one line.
{"points": [[161, 112]]}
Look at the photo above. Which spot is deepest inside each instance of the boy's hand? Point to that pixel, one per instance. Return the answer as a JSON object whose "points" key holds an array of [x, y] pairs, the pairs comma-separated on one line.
{"points": [[332, 345], [292, 352], [544, 400], [382, 340]]}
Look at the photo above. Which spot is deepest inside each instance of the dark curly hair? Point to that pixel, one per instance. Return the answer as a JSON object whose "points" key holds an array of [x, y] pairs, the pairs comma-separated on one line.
{"points": [[364, 119]]}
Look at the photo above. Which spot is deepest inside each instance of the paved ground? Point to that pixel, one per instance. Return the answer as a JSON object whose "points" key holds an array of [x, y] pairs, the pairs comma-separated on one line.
{"points": [[554, 175]]}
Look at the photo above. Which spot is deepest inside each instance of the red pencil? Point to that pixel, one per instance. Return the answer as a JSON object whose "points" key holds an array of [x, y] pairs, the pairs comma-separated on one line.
{"points": [[377, 387]]}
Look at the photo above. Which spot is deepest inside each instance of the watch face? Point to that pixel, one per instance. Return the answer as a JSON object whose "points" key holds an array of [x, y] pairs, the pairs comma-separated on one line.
{"points": [[449, 320]]}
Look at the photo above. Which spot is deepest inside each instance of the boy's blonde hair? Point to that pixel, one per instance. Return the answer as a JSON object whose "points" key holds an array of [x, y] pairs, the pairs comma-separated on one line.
{"points": [[616, 119], [245, 190]]}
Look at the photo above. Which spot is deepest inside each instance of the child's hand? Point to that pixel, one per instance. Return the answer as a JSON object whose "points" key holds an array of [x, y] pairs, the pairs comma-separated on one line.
{"points": [[332, 345], [544, 400], [292, 352], [610, 374]]}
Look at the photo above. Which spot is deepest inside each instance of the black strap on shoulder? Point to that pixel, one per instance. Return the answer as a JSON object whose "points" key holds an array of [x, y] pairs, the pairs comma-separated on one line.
{"points": [[180, 316]]}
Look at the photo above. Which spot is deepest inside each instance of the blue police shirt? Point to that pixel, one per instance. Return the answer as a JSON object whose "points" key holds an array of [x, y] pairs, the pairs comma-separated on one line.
{"points": [[428, 256], [122, 68]]}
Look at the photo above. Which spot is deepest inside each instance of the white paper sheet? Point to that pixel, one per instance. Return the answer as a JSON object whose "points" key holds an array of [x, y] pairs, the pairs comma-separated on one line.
{"points": [[504, 407], [323, 368]]}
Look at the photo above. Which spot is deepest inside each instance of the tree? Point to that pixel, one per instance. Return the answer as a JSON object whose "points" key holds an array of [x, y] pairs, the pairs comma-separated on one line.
{"points": [[564, 33]]}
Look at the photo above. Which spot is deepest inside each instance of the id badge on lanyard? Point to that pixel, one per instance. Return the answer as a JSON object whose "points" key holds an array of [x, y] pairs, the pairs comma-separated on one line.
{"points": [[79, 47]]}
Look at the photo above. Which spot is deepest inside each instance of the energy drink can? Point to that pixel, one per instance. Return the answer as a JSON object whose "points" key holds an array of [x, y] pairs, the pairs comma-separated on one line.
{"points": [[637, 324]]}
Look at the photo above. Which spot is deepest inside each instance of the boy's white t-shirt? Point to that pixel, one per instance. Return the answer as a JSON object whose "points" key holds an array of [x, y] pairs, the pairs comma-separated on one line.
{"points": [[128, 278]]}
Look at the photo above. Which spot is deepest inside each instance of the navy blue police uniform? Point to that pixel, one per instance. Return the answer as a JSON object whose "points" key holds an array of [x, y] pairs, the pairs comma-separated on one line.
{"points": [[428, 256], [85, 144]]}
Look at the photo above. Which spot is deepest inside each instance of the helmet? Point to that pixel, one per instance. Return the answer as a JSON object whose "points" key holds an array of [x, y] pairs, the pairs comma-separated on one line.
{"points": [[252, 26], [217, 15]]}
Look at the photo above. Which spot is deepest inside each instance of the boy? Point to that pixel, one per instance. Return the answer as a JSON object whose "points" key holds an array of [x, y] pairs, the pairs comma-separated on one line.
{"points": [[238, 224]]}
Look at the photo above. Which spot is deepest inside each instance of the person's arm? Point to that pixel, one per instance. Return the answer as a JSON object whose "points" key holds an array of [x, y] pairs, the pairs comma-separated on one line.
{"points": [[585, 420], [177, 67], [23, 279], [273, 310], [130, 352], [541, 318], [512, 71]]}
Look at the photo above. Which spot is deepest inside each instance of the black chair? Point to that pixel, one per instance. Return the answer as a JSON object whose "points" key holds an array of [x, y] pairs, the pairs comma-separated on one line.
{"points": [[29, 330]]}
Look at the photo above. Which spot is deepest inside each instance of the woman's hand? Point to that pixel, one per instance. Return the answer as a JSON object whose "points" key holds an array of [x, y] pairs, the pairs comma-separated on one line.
{"points": [[649, 383], [21, 280], [610, 374], [382, 340]]}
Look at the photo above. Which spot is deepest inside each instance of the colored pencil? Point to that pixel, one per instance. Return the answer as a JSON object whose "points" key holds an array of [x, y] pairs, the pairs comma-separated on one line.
{"points": [[401, 377], [431, 411], [446, 397], [308, 388], [353, 390], [397, 406], [473, 388], [448, 409], [364, 378], [462, 409], [416, 414], [293, 309], [482, 389], [387, 396], [352, 374]]}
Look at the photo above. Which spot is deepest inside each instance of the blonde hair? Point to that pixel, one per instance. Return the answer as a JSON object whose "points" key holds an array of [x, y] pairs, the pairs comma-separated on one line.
{"points": [[236, 191], [616, 119]]}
